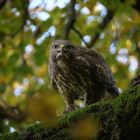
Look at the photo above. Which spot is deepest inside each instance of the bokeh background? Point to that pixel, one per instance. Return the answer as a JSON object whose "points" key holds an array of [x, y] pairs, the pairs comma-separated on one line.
{"points": [[27, 28]]}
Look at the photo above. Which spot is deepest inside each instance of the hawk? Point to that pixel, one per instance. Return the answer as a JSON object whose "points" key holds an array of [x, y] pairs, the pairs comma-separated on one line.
{"points": [[78, 71]]}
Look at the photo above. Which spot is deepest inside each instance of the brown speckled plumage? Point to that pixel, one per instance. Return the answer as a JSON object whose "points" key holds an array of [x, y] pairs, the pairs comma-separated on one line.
{"points": [[77, 71]]}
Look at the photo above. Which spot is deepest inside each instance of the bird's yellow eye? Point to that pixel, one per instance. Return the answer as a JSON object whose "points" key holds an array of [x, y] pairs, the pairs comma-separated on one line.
{"points": [[62, 45]]}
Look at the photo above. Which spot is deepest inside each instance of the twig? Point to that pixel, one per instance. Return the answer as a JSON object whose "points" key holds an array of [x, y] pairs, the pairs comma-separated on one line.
{"points": [[80, 35]]}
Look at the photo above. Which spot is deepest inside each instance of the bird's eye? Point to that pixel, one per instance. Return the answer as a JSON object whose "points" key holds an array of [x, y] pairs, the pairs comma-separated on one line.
{"points": [[55, 46]]}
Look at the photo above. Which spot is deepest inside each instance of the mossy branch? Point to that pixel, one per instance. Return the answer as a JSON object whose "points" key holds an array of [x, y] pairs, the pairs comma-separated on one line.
{"points": [[118, 119]]}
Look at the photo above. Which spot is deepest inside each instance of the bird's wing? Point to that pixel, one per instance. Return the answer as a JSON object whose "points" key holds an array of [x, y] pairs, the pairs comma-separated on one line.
{"points": [[99, 71]]}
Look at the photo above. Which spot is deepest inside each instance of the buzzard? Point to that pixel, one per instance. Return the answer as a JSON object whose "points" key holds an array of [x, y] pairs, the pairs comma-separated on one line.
{"points": [[78, 71]]}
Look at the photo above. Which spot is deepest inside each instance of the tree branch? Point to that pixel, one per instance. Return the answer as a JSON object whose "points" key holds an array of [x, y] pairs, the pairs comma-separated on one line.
{"points": [[11, 112], [25, 13], [80, 35], [119, 119], [71, 14], [24, 17], [2, 3], [136, 6], [102, 26]]}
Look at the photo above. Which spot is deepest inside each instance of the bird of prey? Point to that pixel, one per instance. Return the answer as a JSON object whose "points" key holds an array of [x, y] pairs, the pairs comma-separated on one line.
{"points": [[78, 71]]}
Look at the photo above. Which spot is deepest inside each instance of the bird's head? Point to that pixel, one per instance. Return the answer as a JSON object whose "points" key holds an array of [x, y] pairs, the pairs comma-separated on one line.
{"points": [[62, 50]]}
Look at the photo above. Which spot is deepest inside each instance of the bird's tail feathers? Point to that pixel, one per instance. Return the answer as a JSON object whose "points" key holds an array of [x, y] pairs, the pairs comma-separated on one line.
{"points": [[114, 91]]}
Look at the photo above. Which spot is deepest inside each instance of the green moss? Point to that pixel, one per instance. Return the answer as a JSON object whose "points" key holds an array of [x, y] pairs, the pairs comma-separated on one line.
{"points": [[119, 118], [10, 136]]}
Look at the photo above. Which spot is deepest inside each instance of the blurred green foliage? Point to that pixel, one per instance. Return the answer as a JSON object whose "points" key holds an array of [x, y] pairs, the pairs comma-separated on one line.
{"points": [[27, 29]]}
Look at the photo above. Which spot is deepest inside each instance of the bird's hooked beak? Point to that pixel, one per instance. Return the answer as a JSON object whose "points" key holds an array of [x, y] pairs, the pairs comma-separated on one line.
{"points": [[61, 50]]}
